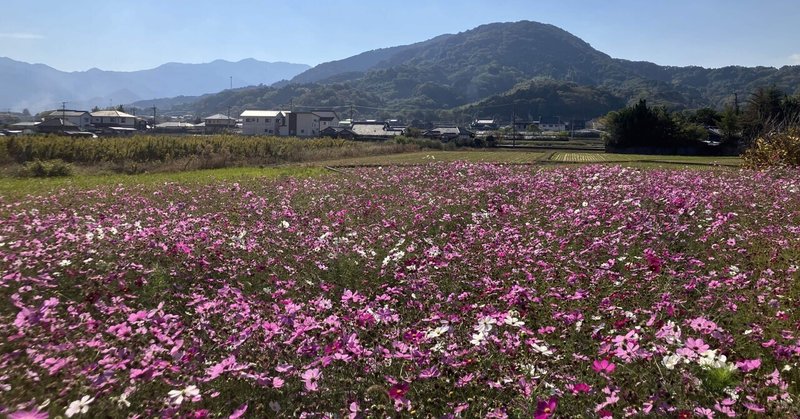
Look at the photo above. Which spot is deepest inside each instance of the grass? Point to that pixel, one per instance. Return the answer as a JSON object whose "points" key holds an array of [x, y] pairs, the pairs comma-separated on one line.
{"points": [[18, 187], [11, 187]]}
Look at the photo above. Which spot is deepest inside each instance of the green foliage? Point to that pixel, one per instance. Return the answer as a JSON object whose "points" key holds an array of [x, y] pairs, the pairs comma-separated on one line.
{"points": [[730, 126], [716, 380], [780, 147], [47, 168], [641, 125]]}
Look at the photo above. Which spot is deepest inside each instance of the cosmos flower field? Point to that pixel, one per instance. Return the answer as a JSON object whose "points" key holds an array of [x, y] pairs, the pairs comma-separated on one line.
{"points": [[445, 290]]}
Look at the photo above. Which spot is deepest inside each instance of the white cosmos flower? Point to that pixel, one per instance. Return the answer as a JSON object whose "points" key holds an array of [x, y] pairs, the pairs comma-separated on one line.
{"points": [[79, 406], [542, 349], [176, 396], [671, 361]]}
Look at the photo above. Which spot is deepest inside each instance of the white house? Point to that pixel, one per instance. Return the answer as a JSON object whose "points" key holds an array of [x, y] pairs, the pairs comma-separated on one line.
{"points": [[81, 119], [113, 119], [255, 122], [552, 124], [301, 124], [219, 123]]}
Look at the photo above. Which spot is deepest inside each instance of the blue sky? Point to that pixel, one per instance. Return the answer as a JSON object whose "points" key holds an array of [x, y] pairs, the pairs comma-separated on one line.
{"points": [[132, 35]]}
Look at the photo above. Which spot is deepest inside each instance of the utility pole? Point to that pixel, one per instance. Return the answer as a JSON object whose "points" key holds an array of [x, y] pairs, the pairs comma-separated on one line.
{"points": [[736, 102], [154, 117], [351, 114], [63, 112], [514, 129], [231, 82]]}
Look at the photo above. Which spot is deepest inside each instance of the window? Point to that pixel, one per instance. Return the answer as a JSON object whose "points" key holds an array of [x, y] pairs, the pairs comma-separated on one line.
{"points": [[270, 131], [302, 131], [122, 120], [266, 120]]}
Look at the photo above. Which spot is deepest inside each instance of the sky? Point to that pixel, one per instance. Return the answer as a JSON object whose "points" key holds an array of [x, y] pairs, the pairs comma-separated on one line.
{"points": [[134, 35]]}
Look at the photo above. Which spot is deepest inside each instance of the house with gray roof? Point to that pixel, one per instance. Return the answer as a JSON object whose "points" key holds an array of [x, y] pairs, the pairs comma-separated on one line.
{"points": [[81, 119]]}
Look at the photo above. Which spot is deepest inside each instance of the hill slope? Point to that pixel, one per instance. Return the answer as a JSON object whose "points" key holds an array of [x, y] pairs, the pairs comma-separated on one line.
{"points": [[438, 78]]}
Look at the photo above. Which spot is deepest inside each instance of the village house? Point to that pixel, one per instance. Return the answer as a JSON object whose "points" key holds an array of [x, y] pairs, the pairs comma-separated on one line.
{"points": [[374, 130], [81, 119], [552, 124], [448, 133], [256, 122], [327, 119], [219, 123], [302, 124], [56, 126], [117, 122], [338, 132]]}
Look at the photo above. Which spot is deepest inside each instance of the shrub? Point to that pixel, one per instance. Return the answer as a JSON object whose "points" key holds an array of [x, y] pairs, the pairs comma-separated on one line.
{"points": [[48, 168], [775, 148]]}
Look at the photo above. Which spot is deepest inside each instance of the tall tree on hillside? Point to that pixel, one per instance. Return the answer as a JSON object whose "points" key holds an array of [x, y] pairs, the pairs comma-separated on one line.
{"points": [[764, 108]]}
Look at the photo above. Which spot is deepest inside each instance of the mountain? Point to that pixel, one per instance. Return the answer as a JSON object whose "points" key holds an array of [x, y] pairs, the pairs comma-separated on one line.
{"points": [[495, 65], [39, 87]]}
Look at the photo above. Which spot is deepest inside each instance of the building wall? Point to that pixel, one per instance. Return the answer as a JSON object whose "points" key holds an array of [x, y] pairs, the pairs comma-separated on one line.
{"points": [[82, 121], [106, 121], [261, 125]]}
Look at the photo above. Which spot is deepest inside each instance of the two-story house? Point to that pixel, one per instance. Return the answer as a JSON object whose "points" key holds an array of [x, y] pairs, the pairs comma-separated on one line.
{"points": [[219, 123], [301, 124], [113, 119], [327, 119], [80, 119], [256, 122]]}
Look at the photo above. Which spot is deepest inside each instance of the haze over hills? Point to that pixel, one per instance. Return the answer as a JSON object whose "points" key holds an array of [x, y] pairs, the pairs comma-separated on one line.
{"points": [[39, 87], [523, 67]]}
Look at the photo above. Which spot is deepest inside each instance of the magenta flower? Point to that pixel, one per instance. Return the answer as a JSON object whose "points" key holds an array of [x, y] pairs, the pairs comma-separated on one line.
{"points": [[28, 414], [398, 391], [749, 364], [310, 378], [545, 409], [604, 366], [581, 388], [697, 345]]}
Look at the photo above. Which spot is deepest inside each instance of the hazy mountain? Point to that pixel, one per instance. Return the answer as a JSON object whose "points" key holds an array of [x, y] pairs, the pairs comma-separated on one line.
{"points": [[494, 66], [38, 87]]}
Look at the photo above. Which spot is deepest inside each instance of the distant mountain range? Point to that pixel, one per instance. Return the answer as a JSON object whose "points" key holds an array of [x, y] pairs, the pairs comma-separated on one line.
{"points": [[39, 87], [526, 68]]}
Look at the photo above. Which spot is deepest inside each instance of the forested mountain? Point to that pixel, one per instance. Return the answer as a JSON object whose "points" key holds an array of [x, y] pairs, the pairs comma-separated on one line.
{"points": [[494, 66]]}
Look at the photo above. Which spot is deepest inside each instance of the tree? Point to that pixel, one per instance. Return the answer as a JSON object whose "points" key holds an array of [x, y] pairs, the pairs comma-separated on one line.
{"points": [[764, 108], [729, 125], [639, 125], [120, 108], [26, 112], [706, 117]]}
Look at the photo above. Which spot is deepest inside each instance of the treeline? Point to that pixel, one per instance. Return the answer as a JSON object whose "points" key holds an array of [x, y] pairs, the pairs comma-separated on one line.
{"points": [[643, 127]]}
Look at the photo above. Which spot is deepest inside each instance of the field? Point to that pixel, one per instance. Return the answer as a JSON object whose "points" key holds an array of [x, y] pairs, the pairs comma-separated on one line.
{"points": [[442, 289], [530, 157]]}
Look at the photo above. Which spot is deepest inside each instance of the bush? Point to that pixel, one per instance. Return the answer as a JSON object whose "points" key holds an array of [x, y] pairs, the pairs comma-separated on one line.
{"points": [[776, 148], [48, 168]]}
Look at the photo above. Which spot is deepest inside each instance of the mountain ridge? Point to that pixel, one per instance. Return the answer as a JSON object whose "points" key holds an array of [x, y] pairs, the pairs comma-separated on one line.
{"points": [[38, 86]]}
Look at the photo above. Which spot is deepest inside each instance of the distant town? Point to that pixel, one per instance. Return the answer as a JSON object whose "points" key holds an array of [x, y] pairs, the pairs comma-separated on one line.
{"points": [[281, 123]]}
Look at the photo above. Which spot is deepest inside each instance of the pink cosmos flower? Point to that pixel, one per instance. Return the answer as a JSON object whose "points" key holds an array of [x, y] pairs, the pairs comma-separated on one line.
{"points": [[748, 365], [545, 409], [581, 388], [697, 345], [238, 413], [604, 366], [28, 414], [310, 378]]}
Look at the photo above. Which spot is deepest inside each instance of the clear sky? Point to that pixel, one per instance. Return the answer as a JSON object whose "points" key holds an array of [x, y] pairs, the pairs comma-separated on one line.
{"points": [[132, 35]]}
